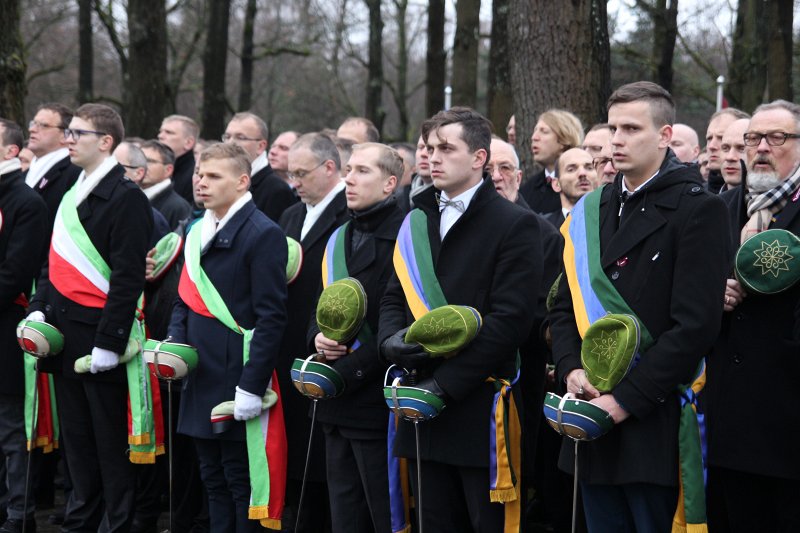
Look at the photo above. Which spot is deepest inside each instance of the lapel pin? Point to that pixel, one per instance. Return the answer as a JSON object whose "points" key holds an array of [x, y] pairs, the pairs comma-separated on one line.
{"points": [[656, 256]]}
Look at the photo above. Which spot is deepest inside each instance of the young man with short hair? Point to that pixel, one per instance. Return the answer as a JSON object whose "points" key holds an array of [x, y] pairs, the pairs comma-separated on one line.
{"points": [[487, 255], [660, 252], [95, 277], [232, 308]]}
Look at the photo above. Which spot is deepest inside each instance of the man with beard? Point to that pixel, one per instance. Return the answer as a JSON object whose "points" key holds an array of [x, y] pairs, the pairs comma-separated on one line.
{"points": [[753, 457], [575, 177]]}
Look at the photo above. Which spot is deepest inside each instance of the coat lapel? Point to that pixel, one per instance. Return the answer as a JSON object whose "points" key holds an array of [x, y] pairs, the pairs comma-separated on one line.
{"points": [[788, 214], [636, 226], [326, 220]]}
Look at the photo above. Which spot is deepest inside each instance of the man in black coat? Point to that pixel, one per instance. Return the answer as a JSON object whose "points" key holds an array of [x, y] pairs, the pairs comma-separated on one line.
{"points": [[315, 169], [24, 234], [51, 173], [180, 133], [354, 423], [270, 193], [575, 177], [660, 248], [157, 183], [753, 458], [95, 313], [420, 181], [487, 254]]}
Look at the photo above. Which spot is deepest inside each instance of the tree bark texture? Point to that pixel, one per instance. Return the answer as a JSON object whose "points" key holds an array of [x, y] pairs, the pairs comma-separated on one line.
{"points": [[779, 49], [147, 67], [246, 78], [12, 64], [560, 57], [501, 105], [85, 52], [665, 31], [401, 89], [435, 68], [374, 105], [215, 56], [465, 53]]}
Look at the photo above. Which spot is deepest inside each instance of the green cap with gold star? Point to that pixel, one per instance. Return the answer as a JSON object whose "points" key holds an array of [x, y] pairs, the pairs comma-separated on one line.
{"points": [[609, 350], [444, 331], [769, 262], [294, 260], [341, 310]]}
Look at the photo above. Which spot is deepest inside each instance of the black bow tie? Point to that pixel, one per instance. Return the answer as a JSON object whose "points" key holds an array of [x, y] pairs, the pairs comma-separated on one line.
{"points": [[458, 205]]}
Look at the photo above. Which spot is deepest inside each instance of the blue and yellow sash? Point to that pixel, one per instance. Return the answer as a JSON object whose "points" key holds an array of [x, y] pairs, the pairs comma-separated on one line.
{"points": [[413, 263], [594, 296]]}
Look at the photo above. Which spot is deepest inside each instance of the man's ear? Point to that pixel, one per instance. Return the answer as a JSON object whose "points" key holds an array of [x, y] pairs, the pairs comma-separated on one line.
{"points": [[556, 185]]}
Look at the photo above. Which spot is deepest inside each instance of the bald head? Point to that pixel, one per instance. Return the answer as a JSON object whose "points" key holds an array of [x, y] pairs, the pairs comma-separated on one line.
{"points": [[685, 143]]}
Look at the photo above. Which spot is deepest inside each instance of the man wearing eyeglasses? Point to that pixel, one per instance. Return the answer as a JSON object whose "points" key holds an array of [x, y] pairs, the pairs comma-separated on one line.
{"points": [[157, 183], [270, 193], [753, 456], [51, 173], [314, 167], [95, 276]]}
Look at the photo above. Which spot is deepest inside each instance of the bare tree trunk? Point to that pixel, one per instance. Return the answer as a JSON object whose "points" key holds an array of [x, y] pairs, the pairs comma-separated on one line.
{"points": [[748, 72], [374, 108], [501, 105], [465, 53], [665, 31], [147, 66], [560, 58], [86, 52], [12, 65], [246, 79], [215, 57], [436, 58], [401, 90], [779, 49]]}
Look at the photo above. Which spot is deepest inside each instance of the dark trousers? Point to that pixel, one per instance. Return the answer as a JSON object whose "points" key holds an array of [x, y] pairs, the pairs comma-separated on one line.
{"points": [[358, 482], [226, 476], [13, 447], [93, 417], [630, 508], [740, 501], [456, 499]]}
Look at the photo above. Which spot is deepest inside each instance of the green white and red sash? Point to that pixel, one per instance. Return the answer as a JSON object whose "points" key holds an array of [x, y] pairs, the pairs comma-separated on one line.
{"points": [[265, 434], [413, 263], [79, 272], [46, 431], [594, 296]]}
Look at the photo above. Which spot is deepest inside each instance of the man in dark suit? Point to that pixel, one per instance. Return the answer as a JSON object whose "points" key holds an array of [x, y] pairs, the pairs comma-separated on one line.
{"points": [[95, 310], [157, 183], [420, 181], [753, 458], [24, 234], [315, 169], [486, 254], [270, 193], [51, 173], [575, 177], [354, 423], [180, 133], [244, 258], [660, 248]]}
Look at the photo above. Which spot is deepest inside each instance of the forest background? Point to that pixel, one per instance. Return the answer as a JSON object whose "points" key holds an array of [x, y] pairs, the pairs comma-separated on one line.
{"points": [[307, 64]]}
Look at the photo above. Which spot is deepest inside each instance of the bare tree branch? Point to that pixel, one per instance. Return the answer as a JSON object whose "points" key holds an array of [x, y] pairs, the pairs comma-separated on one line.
{"points": [[106, 17]]}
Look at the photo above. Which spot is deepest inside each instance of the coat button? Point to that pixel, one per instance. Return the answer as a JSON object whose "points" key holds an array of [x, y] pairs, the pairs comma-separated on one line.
{"points": [[660, 399], [63, 309], [737, 358], [121, 331], [615, 275], [696, 189], [359, 374]]}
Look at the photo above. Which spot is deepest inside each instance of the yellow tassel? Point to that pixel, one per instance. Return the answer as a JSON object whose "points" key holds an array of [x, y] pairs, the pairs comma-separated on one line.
{"points": [[160, 449], [142, 458], [257, 512], [503, 495], [271, 523], [678, 527], [138, 440]]}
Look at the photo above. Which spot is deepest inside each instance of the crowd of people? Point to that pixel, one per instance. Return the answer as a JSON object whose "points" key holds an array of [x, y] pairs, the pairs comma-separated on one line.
{"points": [[629, 216]]}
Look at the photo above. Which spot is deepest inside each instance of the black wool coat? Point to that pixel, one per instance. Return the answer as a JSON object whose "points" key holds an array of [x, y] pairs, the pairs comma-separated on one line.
{"points": [[539, 194], [24, 236], [119, 221], [170, 204], [491, 260], [665, 258], [55, 183], [753, 425], [302, 301], [182, 176], [270, 193]]}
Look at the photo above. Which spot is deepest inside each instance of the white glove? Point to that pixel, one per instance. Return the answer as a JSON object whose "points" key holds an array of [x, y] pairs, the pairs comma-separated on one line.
{"points": [[35, 316], [103, 360], [246, 405]]}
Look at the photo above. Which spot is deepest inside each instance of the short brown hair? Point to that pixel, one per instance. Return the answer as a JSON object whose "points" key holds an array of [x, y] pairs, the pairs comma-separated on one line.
{"points": [[373, 135], [12, 133], [190, 127], [235, 154], [166, 153], [389, 161], [263, 130], [321, 145], [732, 111], [103, 119], [476, 130], [64, 113], [662, 107]]}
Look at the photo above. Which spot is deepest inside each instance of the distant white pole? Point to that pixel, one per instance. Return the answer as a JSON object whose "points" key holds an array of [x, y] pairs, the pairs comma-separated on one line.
{"points": [[720, 83], [448, 97]]}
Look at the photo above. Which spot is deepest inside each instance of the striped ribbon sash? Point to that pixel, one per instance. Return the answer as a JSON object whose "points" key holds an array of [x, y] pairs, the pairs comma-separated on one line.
{"points": [[413, 263], [265, 434], [594, 296], [79, 272]]}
